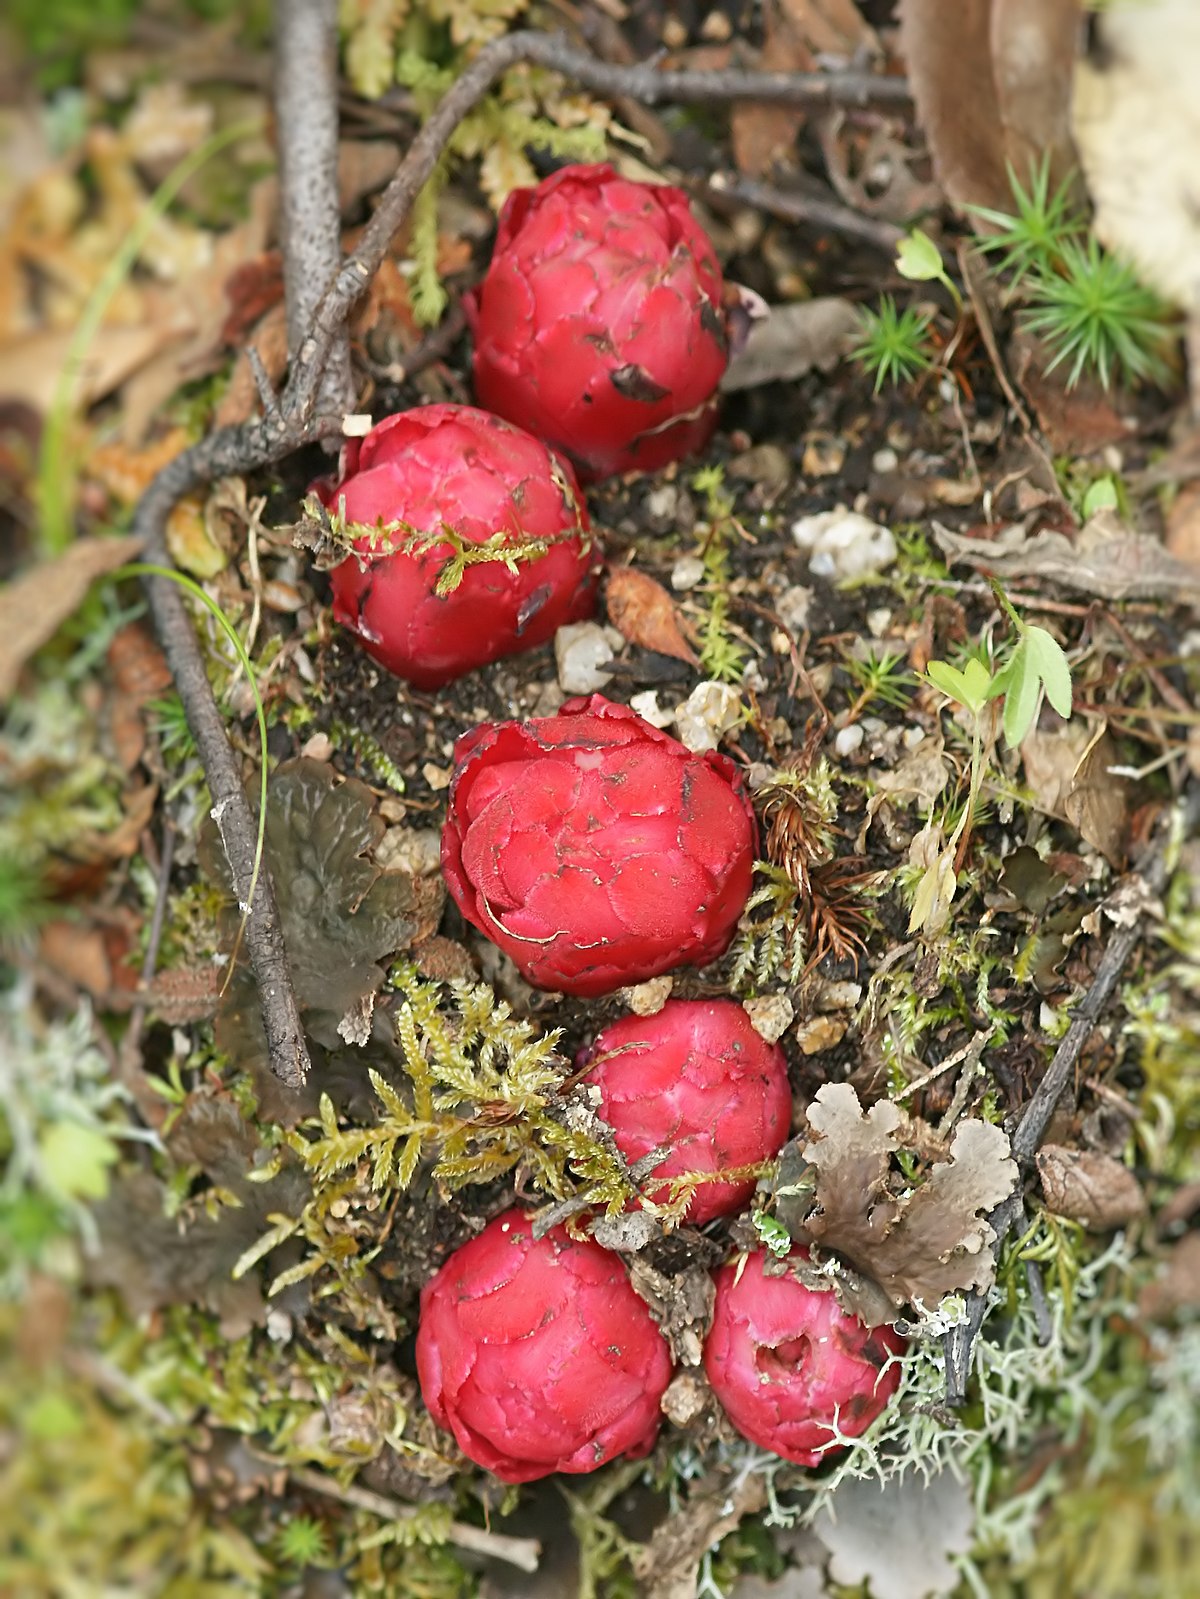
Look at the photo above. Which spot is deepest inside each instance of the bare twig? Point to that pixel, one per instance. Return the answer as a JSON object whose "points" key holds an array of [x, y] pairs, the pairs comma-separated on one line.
{"points": [[1041, 1306], [524, 1553], [1152, 878], [231, 809], [267, 397], [306, 101], [653, 85], [116, 1385], [810, 210], [434, 347], [296, 420]]}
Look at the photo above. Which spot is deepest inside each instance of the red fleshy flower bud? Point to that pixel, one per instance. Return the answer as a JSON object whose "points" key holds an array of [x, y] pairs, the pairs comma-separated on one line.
{"points": [[447, 479], [698, 1079], [785, 1361], [595, 850], [599, 324], [537, 1354]]}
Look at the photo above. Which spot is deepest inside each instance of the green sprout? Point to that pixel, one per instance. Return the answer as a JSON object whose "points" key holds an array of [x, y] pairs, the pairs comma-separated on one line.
{"points": [[1036, 668], [893, 346], [1032, 239], [303, 1541], [920, 261], [1093, 313], [883, 678]]}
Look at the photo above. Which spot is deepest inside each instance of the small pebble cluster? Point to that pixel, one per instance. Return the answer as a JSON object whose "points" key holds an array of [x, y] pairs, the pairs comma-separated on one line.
{"points": [[591, 847]]}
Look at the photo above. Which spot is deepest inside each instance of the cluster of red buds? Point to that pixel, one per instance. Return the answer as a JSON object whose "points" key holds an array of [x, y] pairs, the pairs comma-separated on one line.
{"points": [[539, 1356], [590, 847], [597, 852], [599, 344]]}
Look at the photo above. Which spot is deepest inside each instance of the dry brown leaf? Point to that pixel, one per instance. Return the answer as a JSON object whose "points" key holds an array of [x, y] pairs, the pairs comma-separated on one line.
{"points": [[364, 165], [139, 668], [139, 674], [241, 399], [127, 731], [1089, 1187], [30, 367], [1051, 760], [1073, 421], [77, 953], [643, 612], [127, 473], [35, 604], [666, 1567], [1099, 802], [921, 775], [118, 843], [1183, 525], [185, 994], [791, 341], [199, 307], [915, 1246], [992, 84], [1034, 44], [1105, 559]]}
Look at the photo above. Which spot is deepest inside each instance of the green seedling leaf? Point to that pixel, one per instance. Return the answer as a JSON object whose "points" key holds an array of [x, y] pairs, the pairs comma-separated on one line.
{"points": [[1037, 665], [919, 259], [1022, 694], [1052, 667], [972, 687], [1101, 496]]}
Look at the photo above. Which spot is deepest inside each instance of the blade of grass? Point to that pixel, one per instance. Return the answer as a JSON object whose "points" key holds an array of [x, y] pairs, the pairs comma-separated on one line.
{"points": [[56, 467]]}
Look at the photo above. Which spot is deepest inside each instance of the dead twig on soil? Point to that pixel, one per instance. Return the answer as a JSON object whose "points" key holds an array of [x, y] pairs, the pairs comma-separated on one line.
{"points": [[524, 1553], [295, 420], [809, 210], [1151, 879]]}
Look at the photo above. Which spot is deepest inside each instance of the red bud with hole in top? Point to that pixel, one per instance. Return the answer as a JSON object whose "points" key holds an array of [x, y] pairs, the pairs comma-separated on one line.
{"points": [[538, 1355], [599, 325], [697, 1080], [594, 849], [471, 542], [792, 1369]]}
